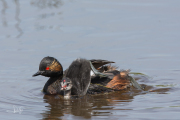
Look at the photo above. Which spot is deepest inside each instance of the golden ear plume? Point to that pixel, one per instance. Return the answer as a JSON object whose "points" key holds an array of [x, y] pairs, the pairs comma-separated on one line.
{"points": [[55, 66]]}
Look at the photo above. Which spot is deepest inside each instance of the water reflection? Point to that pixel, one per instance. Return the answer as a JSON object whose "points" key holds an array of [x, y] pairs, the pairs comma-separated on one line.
{"points": [[3, 11], [47, 3], [86, 106], [17, 13], [17, 18], [38, 3], [95, 105]]}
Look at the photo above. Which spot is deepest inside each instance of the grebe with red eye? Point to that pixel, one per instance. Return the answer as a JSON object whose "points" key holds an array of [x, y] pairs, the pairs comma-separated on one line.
{"points": [[77, 79]]}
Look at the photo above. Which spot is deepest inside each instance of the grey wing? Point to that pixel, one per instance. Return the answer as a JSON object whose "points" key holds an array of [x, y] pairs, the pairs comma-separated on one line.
{"points": [[79, 73]]}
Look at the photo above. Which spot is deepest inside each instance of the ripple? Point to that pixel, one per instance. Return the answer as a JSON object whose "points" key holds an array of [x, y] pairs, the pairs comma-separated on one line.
{"points": [[26, 94]]}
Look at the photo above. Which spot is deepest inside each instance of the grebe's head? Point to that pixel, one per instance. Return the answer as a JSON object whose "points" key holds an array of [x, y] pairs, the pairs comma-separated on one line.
{"points": [[49, 67], [66, 84]]}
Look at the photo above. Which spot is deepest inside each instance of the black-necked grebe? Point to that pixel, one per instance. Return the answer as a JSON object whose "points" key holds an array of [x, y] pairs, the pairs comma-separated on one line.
{"points": [[76, 80]]}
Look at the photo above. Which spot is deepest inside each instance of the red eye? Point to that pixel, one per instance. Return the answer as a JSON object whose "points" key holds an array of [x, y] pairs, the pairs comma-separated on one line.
{"points": [[47, 68], [64, 81]]}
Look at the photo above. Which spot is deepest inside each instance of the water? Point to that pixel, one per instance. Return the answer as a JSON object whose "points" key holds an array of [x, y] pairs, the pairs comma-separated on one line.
{"points": [[139, 35]]}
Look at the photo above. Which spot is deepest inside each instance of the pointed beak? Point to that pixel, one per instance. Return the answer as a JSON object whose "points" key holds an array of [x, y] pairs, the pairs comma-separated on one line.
{"points": [[38, 73]]}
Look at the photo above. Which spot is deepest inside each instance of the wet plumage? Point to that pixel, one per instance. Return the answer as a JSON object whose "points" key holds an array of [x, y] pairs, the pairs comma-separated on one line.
{"points": [[77, 79]]}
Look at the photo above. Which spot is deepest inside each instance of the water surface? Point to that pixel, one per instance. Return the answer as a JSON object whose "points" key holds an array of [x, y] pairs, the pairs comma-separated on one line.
{"points": [[139, 35]]}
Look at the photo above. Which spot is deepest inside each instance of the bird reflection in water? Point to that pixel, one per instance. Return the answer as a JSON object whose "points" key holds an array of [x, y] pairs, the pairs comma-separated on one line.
{"points": [[95, 105]]}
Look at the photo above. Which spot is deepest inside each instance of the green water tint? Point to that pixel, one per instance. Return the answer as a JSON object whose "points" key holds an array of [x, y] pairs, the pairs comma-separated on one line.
{"points": [[174, 106], [171, 85], [137, 73]]}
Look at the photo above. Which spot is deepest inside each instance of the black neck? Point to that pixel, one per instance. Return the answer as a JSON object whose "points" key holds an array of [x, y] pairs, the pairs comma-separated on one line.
{"points": [[50, 81]]}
